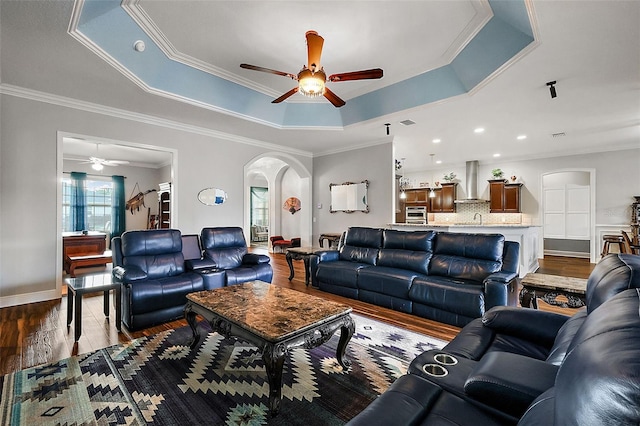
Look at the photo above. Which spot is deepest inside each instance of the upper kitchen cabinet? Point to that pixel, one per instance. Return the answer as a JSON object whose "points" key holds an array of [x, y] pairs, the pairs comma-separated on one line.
{"points": [[504, 197], [444, 200], [416, 196]]}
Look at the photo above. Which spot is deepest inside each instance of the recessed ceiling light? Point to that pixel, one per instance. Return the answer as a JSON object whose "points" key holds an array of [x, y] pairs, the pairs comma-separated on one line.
{"points": [[496, 155], [522, 137], [436, 141], [439, 162], [479, 130]]}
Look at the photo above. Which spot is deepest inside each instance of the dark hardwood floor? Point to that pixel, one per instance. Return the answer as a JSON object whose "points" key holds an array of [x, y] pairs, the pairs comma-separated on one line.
{"points": [[37, 333]]}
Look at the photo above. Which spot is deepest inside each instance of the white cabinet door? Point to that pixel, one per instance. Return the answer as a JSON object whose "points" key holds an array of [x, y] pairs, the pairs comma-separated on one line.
{"points": [[566, 212]]}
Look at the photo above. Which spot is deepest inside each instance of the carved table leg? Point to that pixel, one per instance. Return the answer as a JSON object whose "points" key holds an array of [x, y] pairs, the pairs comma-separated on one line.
{"points": [[346, 331], [290, 263], [306, 270], [273, 357], [528, 298], [190, 316]]}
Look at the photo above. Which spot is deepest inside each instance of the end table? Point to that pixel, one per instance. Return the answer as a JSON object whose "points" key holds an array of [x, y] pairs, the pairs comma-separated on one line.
{"points": [[78, 286], [300, 253]]}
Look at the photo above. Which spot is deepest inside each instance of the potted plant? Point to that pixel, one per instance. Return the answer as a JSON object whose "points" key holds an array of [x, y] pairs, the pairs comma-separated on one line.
{"points": [[449, 177], [497, 173]]}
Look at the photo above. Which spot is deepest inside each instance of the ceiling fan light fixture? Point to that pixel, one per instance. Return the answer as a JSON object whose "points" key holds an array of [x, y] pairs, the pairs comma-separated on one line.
{"points": [[311, 84], [97, 166]]}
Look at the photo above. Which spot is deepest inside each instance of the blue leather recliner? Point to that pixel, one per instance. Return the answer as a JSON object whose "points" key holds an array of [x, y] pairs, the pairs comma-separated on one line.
{"points": [[150, 266], [531, 368], [226, 249]]}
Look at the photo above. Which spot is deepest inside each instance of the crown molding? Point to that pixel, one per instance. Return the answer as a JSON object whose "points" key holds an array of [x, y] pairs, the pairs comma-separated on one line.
{"points": [[34, 95]]}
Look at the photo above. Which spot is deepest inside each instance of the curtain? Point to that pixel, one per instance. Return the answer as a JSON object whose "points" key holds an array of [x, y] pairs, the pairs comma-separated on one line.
{"points": [[118, 207], [78, 201]]}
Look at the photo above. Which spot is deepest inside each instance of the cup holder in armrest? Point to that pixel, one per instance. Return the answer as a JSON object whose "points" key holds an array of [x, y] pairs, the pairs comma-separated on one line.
{"points": [[445, 359], [435, 370]]}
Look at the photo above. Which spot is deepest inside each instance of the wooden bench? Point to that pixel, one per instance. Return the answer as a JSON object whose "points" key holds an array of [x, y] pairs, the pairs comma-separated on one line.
{"points": [[83, 260]]}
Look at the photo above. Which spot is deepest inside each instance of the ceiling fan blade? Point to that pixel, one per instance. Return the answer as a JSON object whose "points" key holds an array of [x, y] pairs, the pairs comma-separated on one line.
{"points": [[268, 70], [285, 96], [114, 162], [357, 75], [333, 98], [314, 50]]}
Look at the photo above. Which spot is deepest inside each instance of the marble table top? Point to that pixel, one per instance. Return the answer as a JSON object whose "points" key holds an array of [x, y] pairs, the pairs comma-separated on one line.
{"points": [[270, 311], [305, 250], [555, 282]]}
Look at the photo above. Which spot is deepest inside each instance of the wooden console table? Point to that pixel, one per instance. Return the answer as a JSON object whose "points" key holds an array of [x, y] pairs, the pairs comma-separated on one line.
{"points": [[80, 250], [552, 289]]}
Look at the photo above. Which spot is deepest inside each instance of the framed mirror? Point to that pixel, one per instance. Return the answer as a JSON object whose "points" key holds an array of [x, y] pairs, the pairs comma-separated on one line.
{"points": [[212, 196], [349, 197]]}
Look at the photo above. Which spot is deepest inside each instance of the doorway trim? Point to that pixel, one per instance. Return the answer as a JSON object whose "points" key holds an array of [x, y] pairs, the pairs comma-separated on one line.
{"points": [[60, 135], [275, 213]]}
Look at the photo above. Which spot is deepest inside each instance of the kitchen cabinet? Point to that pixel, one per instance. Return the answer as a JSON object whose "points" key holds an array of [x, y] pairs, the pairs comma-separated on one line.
{"points": [[504, 197], [417, 196], [443, 202], [414, 197]]}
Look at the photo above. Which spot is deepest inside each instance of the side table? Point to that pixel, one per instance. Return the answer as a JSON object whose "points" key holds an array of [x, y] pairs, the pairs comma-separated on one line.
{"points": [[300, 253], [78, 286], [549, 287], [332, 238]]}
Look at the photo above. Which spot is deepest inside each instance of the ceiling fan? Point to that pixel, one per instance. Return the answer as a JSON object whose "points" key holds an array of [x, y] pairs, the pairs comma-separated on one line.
{"points": [[312, 78], [98, 163]]}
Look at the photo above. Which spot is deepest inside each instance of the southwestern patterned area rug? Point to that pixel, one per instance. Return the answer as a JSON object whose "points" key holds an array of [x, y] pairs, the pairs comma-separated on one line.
{"points": [[159, 380]]}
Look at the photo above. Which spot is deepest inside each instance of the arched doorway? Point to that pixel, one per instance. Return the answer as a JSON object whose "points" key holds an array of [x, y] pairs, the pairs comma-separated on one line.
{"points": [[285, 177]]}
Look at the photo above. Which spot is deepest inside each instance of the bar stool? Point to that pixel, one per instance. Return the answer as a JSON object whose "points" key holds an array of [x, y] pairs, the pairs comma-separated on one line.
{"points": [[613, 239]]}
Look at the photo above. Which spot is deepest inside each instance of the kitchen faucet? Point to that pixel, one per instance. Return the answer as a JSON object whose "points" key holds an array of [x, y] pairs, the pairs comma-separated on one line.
{"points": [[475, 216]]}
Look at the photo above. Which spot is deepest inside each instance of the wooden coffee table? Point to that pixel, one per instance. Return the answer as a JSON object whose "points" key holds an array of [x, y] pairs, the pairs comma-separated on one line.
{"points": [[553, 289], [275, 319]]}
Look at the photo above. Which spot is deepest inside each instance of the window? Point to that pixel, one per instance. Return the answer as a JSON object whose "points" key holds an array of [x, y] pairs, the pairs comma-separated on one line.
{"points": [[259, 206], [98, 204]]}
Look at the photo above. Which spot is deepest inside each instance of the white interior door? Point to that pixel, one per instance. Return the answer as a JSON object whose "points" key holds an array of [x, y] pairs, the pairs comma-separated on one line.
{"points": [[567, 212]]}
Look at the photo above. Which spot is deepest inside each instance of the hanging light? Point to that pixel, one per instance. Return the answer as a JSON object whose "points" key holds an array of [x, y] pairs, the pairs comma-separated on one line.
{"points": [[432, 193], [311, 83], [402, 181]]}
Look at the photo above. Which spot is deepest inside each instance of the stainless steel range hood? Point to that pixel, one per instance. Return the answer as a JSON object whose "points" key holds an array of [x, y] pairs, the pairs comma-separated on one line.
{"points": [[471, 184]]}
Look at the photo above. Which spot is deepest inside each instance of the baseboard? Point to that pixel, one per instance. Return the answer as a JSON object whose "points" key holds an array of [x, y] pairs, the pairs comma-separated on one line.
{"points": [[23, 299], [561, 253]]}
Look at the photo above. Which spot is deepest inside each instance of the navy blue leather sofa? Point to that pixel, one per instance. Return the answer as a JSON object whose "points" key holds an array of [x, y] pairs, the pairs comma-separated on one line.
{"points": [[226, 249], [150, 266], [448, 277], [531, 368]]}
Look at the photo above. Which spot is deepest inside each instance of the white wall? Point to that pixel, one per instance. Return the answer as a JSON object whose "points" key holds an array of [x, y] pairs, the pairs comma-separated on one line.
{"points": [[374, 164], [290, 187], [28, 200], [617, 181]]}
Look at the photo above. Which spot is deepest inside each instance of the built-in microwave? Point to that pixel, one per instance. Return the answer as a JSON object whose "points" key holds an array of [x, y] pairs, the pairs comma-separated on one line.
{"points": [[416, 215]]}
